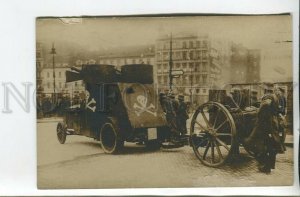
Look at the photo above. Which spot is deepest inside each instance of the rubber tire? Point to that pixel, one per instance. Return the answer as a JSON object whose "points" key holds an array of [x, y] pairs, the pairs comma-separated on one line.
{"points": [[62, 137], [113, 145]]}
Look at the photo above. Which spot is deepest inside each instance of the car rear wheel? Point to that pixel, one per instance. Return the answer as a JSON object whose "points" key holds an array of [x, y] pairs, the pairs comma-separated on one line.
{"points": [[110, 138], [61, 132]]}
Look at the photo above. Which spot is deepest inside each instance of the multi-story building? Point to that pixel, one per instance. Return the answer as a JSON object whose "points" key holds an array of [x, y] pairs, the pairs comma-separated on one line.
{"points": [[61, 86], [199, 57], [245, 64], [39, 67], [136, 55]]}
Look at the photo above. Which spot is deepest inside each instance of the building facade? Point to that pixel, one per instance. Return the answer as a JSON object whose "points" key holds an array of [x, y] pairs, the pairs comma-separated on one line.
{"points": [[200, 59], [245, 64], [39, 67], [70, 89]]}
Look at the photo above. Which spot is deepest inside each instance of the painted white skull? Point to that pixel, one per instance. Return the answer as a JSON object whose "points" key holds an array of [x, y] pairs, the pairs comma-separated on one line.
{"points": [[142, 100]]}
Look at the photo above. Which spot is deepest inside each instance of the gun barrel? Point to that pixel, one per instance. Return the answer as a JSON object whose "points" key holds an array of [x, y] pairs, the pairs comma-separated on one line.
{"points": [[75, 69]]}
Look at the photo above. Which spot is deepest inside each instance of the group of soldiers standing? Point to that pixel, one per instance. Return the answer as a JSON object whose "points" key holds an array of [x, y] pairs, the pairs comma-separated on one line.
{"points": [[176, 111]]}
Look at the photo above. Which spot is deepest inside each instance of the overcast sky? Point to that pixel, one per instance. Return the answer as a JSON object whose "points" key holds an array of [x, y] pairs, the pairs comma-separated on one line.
{"points": [[258, 32]]}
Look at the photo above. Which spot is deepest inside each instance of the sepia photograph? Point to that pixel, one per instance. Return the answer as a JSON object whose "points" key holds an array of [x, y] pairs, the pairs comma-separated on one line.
{"points": [[164, 101]]}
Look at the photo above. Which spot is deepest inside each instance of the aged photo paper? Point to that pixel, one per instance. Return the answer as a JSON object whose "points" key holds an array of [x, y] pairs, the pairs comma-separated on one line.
{"points": [[164, 101]]}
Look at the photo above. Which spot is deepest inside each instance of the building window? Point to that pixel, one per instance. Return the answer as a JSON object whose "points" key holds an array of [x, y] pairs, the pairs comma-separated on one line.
{"points": [[184, 55], [165, 79], [191, 55], [76, 84], [158, 79], [158, 67], [184, 45], [191, 44], [204, 91], [59, 74], [204, 79], [48, 75], [165, 46], [198, 44], [197, 90], [204, 69], [165, 66]]}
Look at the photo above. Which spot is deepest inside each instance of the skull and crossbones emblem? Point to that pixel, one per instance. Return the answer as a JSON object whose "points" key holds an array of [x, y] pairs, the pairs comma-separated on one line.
{"points": [[142, 107]]}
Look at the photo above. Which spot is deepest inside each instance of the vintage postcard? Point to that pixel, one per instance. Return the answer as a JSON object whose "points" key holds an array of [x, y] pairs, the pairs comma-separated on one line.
{"points": [[164, 101]]}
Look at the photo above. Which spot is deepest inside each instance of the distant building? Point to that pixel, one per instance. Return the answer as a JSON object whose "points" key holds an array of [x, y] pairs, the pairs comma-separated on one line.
{"points": [[199, 57], [130, 55], [245, 64], [61, 86], [39, 67]]}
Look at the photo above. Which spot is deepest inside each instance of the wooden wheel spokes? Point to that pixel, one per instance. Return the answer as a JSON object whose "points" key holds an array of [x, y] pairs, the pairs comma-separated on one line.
{"points": [[213, 133]]}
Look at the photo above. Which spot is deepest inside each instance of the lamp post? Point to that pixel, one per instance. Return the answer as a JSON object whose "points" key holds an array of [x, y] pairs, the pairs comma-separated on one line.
{"points": [[170, 66]]}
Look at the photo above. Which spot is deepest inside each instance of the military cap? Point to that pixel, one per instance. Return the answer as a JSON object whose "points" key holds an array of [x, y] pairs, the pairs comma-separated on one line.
{"points": [[235, 89], [162, 95], [180, 97], [281, 89], [171, 95], [254, 91], [268, 85]]}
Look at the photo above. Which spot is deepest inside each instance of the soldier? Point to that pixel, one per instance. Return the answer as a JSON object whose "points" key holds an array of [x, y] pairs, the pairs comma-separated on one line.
{"points": [[253, 99], [171, 108], [182, 115], [282, 100], [162, 101], [264, 139]]}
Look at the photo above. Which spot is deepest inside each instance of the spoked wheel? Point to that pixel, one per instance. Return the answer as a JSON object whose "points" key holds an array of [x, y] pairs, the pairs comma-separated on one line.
{"points": [[61, 132], [110, 138], [213, 134]]}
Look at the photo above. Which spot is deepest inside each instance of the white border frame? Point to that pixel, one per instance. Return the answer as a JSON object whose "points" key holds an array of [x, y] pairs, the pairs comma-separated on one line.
{"points": [[17, 38]]}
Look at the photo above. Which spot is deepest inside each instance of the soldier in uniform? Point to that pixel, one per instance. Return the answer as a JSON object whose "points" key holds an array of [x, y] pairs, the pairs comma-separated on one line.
{"points": [[171, 108], [182, 115], [282, 100], [162, 101], [253, 98], [264, 139]]}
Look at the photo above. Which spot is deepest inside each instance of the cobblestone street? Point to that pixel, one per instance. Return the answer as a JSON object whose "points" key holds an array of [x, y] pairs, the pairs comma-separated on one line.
{"points": [[81, 163]]}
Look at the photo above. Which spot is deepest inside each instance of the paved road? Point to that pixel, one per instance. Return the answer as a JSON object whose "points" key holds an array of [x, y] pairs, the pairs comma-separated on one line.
{"points": [[81, 163]]}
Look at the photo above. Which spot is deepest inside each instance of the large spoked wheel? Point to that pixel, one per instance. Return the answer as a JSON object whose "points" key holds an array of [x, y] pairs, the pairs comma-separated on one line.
{"points": [[110, 138], [213, 134], [61, 132]]}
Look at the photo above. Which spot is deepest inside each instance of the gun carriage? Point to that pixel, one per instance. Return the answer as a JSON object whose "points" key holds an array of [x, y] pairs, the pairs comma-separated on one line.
{"points": [[221, 125]]}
